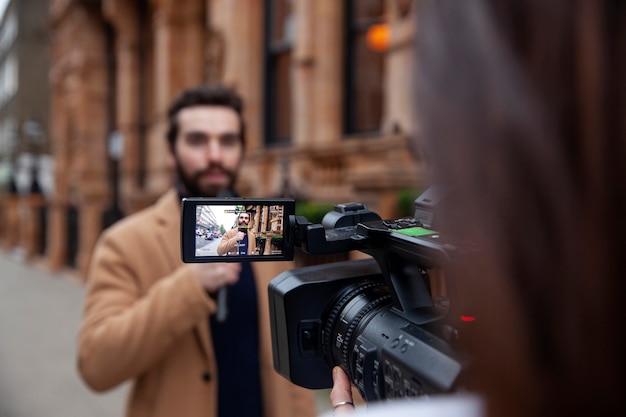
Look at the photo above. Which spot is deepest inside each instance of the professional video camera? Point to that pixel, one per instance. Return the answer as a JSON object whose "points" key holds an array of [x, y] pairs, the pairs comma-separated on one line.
{"points": [[385, 320]]}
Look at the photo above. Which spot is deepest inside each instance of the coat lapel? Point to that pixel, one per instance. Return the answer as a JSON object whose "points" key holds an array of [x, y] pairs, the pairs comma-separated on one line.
{"points": [[168, 236], [168, 227]]}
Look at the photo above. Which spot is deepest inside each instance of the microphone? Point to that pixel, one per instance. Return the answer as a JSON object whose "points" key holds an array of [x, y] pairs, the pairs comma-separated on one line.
{"points": [[222, 305], [222, 293]]}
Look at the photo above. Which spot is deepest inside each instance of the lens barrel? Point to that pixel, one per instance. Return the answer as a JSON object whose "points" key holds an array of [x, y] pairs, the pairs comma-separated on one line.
{"points": [[354, 308]]}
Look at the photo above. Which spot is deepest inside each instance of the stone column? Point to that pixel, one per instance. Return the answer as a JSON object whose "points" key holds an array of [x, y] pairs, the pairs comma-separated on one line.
{"points": [[90, 161], [10, 219], [239, 24], [328, 71], [399, 106], [236, 28], [303, 70], [32, 224], [224, 15], [250, 71], [124, 18], [56, 242], [59, 136], [79, 125], [179, 29]]}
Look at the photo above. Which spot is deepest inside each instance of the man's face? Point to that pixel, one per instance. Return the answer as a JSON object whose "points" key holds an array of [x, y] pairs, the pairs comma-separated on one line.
{"points": [[208, 149], [244, 219]]}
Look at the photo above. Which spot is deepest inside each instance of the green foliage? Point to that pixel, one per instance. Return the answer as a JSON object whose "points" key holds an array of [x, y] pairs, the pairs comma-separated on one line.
{"points": [[405, 205], [314, 212]]}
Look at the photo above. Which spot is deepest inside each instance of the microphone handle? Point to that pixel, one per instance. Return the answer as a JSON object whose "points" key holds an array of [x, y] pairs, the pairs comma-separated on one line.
{"points": [[222, 304], [222, 293]]}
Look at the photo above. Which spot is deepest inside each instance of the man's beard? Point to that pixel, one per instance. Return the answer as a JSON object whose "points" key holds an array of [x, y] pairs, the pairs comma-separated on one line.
{"points": [[191, 183]]}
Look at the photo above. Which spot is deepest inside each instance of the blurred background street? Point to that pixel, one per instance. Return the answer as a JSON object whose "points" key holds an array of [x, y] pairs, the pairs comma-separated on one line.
{"points": [[84, 91], [39, 319]]}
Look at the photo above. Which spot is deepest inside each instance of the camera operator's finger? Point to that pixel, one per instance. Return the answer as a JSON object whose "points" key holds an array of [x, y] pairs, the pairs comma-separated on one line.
{"points": [[341, 394], [214, 276]]}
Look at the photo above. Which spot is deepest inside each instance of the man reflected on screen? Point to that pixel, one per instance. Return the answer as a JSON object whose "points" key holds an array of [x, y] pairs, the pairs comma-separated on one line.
{"points": [[241, 239]]}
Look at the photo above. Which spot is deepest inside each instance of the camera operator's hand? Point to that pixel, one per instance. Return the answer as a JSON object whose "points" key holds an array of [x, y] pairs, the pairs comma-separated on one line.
{"points": [[215, 276], [341, 394]]}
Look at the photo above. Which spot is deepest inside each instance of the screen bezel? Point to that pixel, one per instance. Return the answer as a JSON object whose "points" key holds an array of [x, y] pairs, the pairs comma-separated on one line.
{"points": [[188, 228]]}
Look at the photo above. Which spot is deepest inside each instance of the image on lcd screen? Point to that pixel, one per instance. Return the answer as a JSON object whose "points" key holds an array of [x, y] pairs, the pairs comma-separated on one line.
{"points": [[236, 230]]}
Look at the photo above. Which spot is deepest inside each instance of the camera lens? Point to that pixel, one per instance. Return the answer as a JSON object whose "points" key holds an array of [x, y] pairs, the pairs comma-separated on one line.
{"points": [[354, 307]]}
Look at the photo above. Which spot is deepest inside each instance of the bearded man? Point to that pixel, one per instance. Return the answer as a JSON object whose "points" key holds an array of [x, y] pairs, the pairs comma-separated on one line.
{"points": [[150, 318]]}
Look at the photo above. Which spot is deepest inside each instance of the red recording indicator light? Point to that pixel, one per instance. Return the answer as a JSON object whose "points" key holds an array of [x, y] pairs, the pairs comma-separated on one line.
{"points": [[468, 318]]}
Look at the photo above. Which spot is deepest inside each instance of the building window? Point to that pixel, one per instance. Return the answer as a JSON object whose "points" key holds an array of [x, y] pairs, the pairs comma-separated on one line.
{"points": [[279, 36], [8, 32], [364, 69]]}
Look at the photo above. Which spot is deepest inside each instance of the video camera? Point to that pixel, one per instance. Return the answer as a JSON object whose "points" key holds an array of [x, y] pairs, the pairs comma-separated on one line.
{"points": [[386, 320]]}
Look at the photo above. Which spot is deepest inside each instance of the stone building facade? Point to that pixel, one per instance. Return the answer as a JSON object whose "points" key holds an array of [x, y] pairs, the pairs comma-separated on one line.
{"points": [[24, 113], [329, 108]]}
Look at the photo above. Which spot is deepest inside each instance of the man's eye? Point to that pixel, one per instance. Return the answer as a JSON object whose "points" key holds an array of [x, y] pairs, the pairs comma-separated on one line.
{"points": [[196, 140], [230, 140]]}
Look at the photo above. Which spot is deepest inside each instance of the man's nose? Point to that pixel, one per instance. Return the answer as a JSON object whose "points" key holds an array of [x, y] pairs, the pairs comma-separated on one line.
{"points": [[214, 150]]}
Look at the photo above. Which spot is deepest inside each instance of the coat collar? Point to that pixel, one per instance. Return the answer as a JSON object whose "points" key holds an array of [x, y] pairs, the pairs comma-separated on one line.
{"points": [[167, 212]]}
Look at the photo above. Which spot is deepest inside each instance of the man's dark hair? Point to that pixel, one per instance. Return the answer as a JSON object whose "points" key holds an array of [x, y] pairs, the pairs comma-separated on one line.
{"points": [[204, 95]]}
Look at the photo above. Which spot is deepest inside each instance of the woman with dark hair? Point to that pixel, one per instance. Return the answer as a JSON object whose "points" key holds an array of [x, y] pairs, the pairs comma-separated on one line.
{"points": [[522, 110]]}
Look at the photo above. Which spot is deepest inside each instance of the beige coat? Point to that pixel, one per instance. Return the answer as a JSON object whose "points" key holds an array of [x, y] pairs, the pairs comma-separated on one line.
{"points": [[229, 242], [145, 319]]}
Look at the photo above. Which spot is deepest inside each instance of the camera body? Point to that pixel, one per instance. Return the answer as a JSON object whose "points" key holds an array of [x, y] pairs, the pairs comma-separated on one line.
{"points": [[377, 318], [386, 320], [342, 314]]}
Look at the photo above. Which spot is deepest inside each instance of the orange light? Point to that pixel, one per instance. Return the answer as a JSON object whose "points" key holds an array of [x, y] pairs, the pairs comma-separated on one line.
{"points": [[378, 37]]}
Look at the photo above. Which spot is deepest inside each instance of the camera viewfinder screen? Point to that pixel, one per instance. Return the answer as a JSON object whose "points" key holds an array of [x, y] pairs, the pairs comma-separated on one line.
{"points": [[240, 230]]}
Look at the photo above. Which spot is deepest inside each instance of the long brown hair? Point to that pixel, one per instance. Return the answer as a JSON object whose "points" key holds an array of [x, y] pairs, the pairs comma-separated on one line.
{"points": [[522, 109]]}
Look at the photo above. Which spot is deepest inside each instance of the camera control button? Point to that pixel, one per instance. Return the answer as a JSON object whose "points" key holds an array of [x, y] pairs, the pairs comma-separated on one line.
{"points": [[395, 343], [308, 337]]}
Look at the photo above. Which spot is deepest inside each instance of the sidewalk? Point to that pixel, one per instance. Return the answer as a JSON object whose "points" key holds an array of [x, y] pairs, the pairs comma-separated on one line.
{"points": [[39, 319]]}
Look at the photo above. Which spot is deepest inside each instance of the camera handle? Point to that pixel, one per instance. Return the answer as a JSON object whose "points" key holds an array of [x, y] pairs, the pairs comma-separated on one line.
{"points": [[336, 234]]}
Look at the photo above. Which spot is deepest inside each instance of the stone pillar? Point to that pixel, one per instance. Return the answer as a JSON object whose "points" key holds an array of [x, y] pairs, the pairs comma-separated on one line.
{"points": [[31, 221], [56, 242], [60, 134], [124, 17], [179, 29], [328, 71], [303, 70], [239, 24], [90, 159], [399, 106], [11, 222], [223, 14], [250, 70], [238, 27], [79, 125]]}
